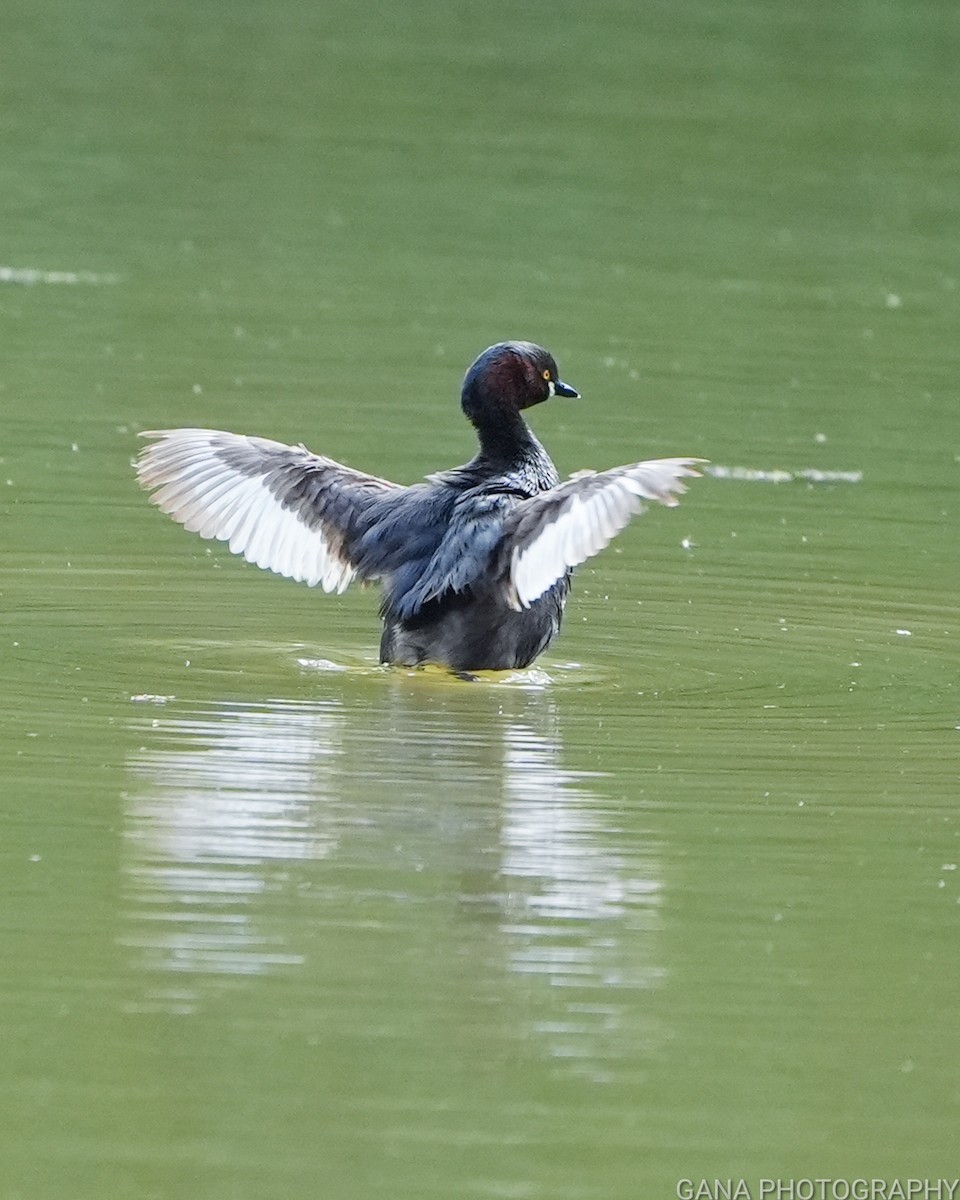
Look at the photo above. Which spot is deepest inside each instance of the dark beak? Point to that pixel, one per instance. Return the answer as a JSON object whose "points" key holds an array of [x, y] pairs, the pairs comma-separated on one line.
{"points": [[564, 389]]}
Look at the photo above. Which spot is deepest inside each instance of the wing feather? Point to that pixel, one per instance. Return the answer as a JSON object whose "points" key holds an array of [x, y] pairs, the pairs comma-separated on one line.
{"points": [[281, 507], [548, 534]]}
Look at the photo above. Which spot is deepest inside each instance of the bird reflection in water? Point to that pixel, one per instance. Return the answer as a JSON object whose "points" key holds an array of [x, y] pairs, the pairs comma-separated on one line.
{"points": [[251, 828]]}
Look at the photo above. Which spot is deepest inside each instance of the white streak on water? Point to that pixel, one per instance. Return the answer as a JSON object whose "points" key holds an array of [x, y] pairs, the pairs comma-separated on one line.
{"points": [[31, 275], [776, 475]]}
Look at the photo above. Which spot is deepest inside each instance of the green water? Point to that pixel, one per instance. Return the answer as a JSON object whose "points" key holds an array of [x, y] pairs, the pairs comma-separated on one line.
{"points": [[681, 901]]}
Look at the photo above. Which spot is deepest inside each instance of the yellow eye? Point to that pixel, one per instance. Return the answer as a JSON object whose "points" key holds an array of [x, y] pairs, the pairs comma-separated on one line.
{"points": [[546, 374]]}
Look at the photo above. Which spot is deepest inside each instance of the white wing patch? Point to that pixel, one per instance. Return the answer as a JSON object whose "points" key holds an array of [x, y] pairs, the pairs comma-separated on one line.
{"points": [[194, 485], [581, 516]]}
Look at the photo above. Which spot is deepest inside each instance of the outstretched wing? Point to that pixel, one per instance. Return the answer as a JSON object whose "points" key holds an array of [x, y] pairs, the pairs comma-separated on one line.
{"points": [[281, 507], [546, 535]]}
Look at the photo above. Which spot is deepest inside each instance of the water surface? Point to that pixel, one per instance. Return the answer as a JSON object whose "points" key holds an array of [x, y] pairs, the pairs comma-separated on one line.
{"points": [[681, 901]]}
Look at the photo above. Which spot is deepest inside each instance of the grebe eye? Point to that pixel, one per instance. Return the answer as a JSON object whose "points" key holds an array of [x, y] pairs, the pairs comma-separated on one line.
{"points": [[546, 374]]}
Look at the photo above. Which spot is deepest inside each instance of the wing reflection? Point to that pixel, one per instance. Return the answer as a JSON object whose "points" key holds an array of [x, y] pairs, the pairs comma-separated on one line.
{"points": [[225, 799], [585, 904], [554, 833]]}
